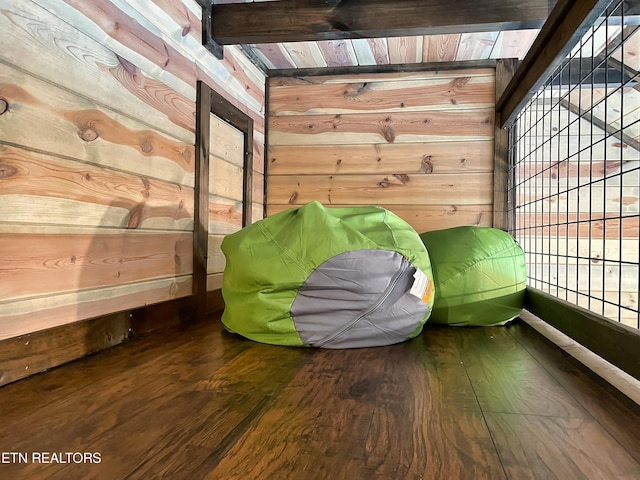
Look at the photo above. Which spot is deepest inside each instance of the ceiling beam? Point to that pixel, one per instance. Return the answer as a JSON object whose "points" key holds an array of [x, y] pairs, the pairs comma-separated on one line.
{"points": [[215, 48], [588, 115], [594, 72], [389, 68], [567, 23], [313, 20]]}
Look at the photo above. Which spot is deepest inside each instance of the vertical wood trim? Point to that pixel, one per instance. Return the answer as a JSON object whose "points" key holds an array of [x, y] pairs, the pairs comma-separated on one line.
{"points": [[265, 169], [207, 41], [201, 200], [504, 72], [500, 176], [220, 107], [247, 199]]}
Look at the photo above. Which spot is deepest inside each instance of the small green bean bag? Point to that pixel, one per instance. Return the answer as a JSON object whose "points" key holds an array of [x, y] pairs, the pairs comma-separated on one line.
{"points": [[479, 273], [327, 277]]}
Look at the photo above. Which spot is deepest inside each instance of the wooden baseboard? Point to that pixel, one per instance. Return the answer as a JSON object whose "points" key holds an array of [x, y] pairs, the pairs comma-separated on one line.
{"points": [[615, 342], [36, 352], [616, 379]]}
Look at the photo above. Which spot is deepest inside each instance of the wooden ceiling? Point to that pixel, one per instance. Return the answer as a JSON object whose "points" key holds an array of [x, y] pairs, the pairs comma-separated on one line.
{"points": [[492, 30], [311, 34]]}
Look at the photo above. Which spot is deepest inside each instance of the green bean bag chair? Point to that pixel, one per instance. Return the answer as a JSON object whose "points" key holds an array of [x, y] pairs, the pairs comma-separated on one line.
{"points": [[327, 277], [479, 273]]}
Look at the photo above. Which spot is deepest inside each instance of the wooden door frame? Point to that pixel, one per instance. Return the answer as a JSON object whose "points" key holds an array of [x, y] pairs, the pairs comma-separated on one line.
{"points": [[207, 102]]}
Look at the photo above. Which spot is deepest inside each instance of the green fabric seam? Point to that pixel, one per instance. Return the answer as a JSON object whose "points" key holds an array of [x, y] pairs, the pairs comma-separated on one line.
{"points": [[393, 235], [474, 265], [285, 251]]}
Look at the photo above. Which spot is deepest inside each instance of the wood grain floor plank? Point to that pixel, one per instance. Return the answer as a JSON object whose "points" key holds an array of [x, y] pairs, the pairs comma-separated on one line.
{"points": [[115, 386], [618, 416], [211, 412], [507, 379], [149, 413], [534, 447], [321, 419], [210, 415], [198, 402], [427, 423], [42, 391]]}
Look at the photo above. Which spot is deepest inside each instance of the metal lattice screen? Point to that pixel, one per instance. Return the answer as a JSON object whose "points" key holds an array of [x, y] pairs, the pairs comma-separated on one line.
{"points": [[575, 173]]}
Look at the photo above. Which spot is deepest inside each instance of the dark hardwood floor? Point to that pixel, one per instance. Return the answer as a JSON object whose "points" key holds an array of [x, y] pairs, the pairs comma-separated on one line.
{"points": [[196, 403]]}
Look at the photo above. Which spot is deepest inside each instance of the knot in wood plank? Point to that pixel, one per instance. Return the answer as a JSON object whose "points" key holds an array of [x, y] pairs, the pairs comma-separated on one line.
{"points": [[187, 155], [388, 133], [129, 67], [88, 134], [356, 89], [426, 164], [146, 146], [362, 389], [7, 171], [459, 83], [4, 105], [403, 177], [135, 216]]}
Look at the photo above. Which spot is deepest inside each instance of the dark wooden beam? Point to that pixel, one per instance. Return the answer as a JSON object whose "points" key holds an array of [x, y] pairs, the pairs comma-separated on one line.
{"points": [[247, 181], [601, 124], [616, 343], [567, 23], [251, 55], [214, 47], [308, 20], [597, 72], [505, 69], [221, 107], [391, 68], [265, 157], [201, 206], [626, 35], [631, 11]]}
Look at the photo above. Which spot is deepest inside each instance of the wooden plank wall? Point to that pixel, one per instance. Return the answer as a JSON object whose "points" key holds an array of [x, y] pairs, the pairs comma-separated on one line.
{"points": [[97, 154], [419, 144]]}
